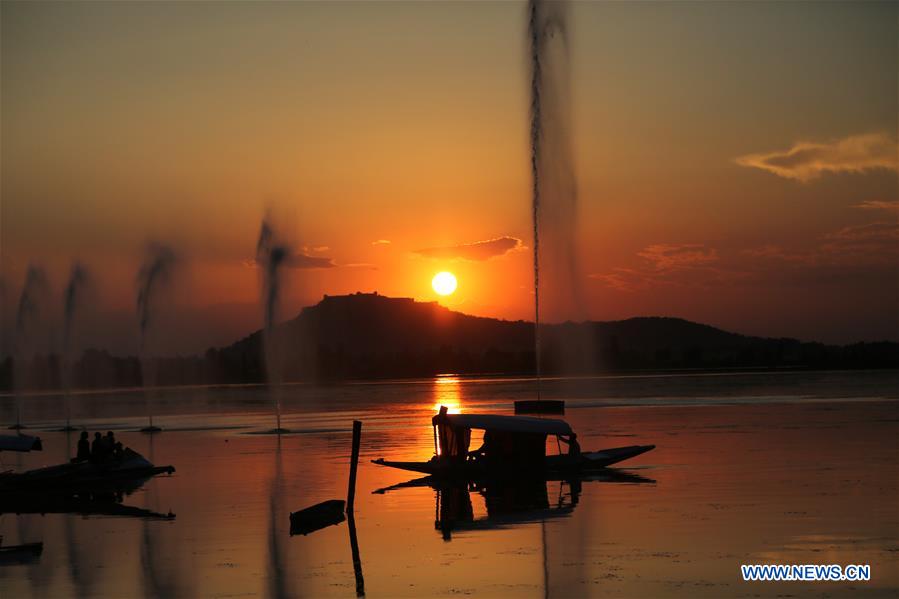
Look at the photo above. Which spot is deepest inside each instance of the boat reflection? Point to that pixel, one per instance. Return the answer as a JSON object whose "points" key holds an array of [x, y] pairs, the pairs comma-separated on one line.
{"points": [[101, 500], [86, 504], [507, 503]]}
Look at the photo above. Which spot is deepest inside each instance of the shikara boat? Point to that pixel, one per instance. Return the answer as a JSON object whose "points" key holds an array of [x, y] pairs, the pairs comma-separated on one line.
{"points": [[514, 446], [20, 554], [82, 475], [22, 443]]}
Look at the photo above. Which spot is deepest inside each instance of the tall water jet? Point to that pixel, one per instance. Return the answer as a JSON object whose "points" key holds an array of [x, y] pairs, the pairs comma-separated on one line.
{"points": [[557, 280], [154, 274], [271, 254], [78, 281], [35, 292]]}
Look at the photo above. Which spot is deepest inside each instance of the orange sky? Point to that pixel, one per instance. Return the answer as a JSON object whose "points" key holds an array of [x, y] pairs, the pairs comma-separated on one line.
{"points": [[736, 165]]}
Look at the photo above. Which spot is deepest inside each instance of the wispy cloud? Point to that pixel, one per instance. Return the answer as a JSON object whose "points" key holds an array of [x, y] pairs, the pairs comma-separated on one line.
{"points": [[477, 251], [674, 257], [299, 261], [776, 252], [381, 242], [623, 279], [691, 264], [806, 161], [851, 253], [885, 205]]}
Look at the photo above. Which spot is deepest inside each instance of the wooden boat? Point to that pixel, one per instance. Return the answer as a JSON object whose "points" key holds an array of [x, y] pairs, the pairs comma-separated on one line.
{"points": [[20, 554], [21, 443], [514, 446], [320, 515], [82, 475]]}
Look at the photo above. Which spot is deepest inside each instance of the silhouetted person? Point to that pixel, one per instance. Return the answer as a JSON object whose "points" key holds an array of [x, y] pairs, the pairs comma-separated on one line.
{"points": [[486, 447], [118, 452], [110, 442], [98, 449], [84, 448], [574, 448]]}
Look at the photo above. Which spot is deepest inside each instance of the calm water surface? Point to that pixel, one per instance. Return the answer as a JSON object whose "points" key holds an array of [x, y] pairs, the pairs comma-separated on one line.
{"points": [[752, 468]]}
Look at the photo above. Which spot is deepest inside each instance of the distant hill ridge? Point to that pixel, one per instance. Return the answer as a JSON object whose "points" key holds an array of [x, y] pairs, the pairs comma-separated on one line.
{"points": [[367, 335]]}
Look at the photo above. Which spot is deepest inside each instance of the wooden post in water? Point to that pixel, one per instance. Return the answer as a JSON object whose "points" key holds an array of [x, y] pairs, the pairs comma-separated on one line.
{"points": [[354, 461]]}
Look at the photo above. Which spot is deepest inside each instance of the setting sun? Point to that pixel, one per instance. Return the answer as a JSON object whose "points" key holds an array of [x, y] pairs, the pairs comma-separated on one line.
{"points": [[444, 283]]}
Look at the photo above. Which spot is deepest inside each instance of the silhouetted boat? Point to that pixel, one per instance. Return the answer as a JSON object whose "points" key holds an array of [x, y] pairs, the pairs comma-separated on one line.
{"points": [[20, 554], [82, 475], [514, 446], [20, 443]]}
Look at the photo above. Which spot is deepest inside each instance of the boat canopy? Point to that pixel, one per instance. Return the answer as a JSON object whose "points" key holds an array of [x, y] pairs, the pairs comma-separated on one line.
{"points": [[20, 443], [511, 424]]}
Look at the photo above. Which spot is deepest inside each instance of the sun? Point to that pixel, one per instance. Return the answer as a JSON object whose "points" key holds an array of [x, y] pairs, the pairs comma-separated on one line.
{"points": [[444, 283]]}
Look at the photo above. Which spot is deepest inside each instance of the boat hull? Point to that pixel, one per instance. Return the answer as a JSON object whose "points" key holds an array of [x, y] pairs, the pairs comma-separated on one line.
{"points": [[82, 476], [559, 464]]}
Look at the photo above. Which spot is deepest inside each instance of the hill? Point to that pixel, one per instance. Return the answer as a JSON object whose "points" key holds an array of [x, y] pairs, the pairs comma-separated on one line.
{"points": [[373, 336], [368, 336]]}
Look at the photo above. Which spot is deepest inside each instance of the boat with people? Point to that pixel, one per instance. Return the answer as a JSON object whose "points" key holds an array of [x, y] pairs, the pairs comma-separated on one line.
{"points": [[84, 475], [513, 445]]}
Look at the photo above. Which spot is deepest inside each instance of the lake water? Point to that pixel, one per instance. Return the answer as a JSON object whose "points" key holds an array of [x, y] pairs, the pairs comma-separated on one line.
{"points": [[749, 468]]}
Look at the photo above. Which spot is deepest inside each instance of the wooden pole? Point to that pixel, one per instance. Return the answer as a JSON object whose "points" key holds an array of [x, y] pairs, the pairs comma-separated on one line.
{"points": [[354, 461]]}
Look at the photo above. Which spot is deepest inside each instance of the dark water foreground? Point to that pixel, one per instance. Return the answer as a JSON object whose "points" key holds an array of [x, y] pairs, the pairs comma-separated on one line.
{"points": [[790, 468]]}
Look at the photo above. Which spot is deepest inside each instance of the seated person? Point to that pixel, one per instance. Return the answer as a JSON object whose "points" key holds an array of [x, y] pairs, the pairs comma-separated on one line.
{"points": [[485, 448], [84, 449], [574, 448], [98, 449]]}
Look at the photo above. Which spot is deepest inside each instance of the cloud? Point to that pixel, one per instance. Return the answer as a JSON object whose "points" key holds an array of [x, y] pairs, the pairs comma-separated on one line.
{"points": [[776, 252], [871, 232], [692, 264], [381, 242], [872, 243], [675, 257], [886, 205], [808, 160], [300, 261], [477, 251], [623, 279], [852, 253]]}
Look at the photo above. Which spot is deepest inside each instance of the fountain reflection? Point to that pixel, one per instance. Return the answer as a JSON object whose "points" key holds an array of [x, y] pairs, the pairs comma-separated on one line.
{"points": [[277, 580], [160, 564]]}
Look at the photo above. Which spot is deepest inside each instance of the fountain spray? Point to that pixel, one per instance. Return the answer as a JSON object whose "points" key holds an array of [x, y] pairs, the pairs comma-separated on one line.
{"points": [[34, 295], [78, 280], [553, 191], [155, 272], [271, 254]]}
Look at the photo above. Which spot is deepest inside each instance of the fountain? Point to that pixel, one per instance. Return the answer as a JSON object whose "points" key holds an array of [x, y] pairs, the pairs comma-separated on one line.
{"points": [[155, 272], [78, 280], [34, 296], [553, 191], [271, 254]]}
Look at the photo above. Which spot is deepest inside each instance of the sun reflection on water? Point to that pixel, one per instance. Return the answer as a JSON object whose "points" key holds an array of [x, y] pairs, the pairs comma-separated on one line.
{"points": [[447, 392]]}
